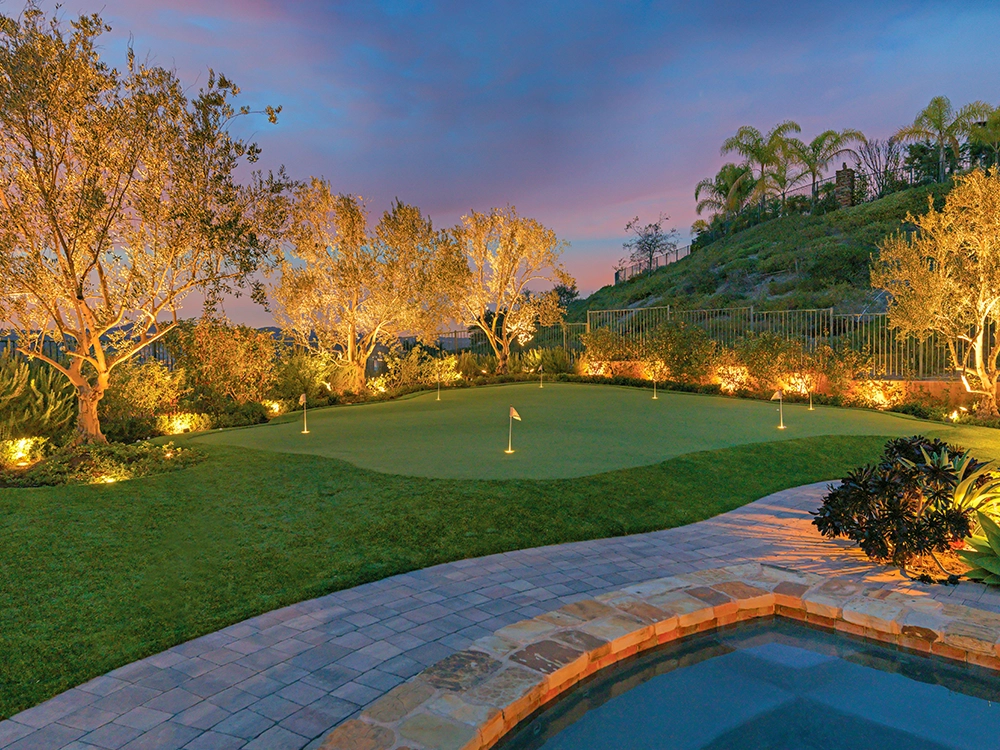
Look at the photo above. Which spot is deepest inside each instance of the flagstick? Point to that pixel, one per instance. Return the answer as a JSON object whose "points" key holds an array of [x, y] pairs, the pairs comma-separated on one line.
{"points": [[811, 401], [305, 423], [781, 413], [541, 379], [439, 388], [655, 397], [510, 433]]}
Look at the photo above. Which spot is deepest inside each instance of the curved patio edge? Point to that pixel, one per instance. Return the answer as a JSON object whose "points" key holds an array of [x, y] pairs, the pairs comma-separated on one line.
{"points": [[473, 698]]}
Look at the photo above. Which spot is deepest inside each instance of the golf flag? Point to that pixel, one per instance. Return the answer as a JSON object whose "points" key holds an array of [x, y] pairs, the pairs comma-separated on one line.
{"points": [[514, 414], [777, 396], [302, 400]]}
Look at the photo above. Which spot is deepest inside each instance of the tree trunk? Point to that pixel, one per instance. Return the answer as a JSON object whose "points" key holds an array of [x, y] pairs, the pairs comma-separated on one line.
{"points": [[88, 424]]}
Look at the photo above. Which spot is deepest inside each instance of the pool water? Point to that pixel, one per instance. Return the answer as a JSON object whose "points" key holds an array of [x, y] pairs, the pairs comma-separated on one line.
{"points": [[773, 685]]}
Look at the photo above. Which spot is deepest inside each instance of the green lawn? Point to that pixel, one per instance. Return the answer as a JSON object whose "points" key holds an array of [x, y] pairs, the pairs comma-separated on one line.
{"points": [[94, 577], [568, 430]]}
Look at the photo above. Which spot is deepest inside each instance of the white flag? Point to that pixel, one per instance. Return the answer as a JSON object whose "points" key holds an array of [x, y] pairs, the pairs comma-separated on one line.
{"points": [[302, 400], [514, 414], [777, 396]]}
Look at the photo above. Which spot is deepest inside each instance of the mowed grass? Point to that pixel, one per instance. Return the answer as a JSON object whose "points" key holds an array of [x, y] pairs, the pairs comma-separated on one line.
{"points": [[94, 577], [568, 430]]}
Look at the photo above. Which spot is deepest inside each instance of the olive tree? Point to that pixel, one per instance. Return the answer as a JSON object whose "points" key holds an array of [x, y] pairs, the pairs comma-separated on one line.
{"points": [[945, 280], [118, 199], [506, 254], [345, 289]]}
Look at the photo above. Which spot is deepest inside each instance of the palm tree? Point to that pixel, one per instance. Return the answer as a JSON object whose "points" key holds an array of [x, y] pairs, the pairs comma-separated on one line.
{"points": [[759, 151], [987, 134], [816, 155], [939, 123], [727, 192], [783, 175]]}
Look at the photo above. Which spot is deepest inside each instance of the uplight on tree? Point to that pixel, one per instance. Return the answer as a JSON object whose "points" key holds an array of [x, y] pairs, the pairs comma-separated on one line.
{"points": [[118, 198], [945, 280], [345, 289], [507, 254]]}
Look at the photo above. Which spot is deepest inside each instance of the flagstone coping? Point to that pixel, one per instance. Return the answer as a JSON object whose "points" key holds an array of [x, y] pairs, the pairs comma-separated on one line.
{"points": [[472, 698]]}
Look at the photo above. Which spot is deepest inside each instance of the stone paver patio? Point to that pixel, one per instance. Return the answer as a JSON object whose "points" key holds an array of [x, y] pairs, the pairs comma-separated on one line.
{"points": [[285, 678]]}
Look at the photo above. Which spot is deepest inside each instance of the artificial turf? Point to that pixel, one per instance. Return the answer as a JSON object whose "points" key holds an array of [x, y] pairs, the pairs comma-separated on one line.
{"points": [[568, 430], [96, 576]]}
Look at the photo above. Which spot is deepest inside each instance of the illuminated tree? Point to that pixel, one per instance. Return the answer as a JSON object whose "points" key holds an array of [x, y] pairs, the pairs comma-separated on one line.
{"points": [[940, 124], [505, 255], [118, 198], [945, 280], [344, 290]]}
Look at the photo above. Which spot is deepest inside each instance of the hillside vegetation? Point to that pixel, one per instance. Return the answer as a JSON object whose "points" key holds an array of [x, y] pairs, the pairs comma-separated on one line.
{"points": [[794, 262]]}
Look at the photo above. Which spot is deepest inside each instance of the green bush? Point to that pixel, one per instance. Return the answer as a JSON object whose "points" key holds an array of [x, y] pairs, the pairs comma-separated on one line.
{"points": [[905, 505], [96, 464], [138, 393], [606, 345], [304, 372], [684, 352], [35, 400]]}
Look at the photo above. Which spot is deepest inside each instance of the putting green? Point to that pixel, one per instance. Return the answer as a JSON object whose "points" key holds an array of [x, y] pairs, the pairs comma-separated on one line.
{"points": [[568, 430]]}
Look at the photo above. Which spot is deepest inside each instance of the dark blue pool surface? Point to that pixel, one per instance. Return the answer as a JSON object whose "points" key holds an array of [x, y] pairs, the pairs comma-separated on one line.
{"points": [[773, 685]]}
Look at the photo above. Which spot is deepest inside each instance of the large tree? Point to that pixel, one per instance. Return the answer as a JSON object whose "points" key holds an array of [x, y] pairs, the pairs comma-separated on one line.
{"points": [[506, 255], [940, 124], [345, 289], [118, 198], [945, 280]]}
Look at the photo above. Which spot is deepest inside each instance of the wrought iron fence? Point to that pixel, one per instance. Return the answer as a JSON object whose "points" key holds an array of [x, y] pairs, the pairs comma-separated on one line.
{"points": [[564, 335], [657, 261], [893, 355]]}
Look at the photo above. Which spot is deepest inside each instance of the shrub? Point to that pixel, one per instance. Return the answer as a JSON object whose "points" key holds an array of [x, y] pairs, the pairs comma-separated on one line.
{"points": [[137, 394], [97, 464], [605, 345], [225, 362], [304, 372], [769, 360], [680, 351], [22, 452], [35, 400], [181, 422], [904, 505]]}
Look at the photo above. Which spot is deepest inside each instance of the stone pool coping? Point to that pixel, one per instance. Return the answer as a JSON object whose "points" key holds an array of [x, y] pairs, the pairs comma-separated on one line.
{"points": [[473, 698]]}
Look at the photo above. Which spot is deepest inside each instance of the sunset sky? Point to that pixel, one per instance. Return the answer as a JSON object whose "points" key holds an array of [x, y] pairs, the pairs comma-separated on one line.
{"points": [[582, 114]]}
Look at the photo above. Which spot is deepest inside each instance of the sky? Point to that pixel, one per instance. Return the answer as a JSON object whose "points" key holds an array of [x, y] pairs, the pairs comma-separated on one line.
{"points": [[581, 113]]}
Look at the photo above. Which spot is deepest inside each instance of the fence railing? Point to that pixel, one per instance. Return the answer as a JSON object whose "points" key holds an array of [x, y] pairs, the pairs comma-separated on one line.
{"points": [[892, 354], [657, 261]]}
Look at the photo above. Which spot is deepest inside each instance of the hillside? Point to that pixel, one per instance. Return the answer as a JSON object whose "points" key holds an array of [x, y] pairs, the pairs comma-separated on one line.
{"points": [[795, 262]]}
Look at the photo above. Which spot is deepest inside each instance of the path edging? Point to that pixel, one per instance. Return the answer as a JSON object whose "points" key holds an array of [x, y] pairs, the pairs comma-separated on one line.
{"points": [[473, 698]]}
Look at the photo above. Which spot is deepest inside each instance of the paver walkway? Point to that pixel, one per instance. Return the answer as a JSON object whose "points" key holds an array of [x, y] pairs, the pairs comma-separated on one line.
{"points": [[285, 678]]}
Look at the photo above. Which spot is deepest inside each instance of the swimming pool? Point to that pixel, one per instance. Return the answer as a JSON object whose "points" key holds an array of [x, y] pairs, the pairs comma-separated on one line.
{"points": [[774, 684]]}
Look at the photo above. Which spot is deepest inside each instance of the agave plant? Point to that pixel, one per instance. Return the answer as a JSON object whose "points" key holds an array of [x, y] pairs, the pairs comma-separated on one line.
{"points": [[984, 557]]}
